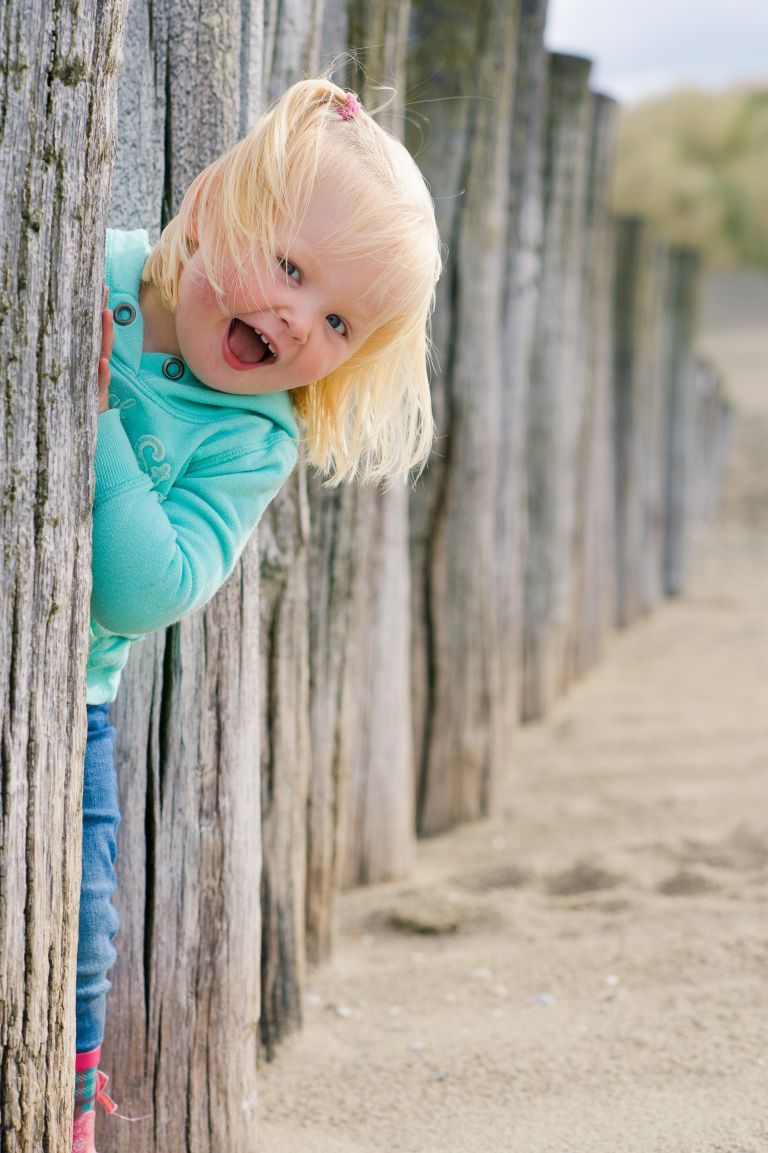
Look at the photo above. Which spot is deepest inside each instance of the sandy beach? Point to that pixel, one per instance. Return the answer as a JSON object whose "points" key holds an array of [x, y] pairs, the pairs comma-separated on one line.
{"points": [[595, 977]]}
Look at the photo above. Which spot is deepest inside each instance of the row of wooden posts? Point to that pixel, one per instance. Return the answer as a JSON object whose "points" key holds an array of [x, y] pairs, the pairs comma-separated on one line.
{"points": [[359, 679]]}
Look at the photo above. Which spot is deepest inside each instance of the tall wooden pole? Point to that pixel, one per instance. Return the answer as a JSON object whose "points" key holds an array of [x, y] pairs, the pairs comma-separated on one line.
{"points": [[467, 55], [57, 123], [641, 324], [682, 305], [187, 979], [520, 299], [557, 388], [593, 542]]}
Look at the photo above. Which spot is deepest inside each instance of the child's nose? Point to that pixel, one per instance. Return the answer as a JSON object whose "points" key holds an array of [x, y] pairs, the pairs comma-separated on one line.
{"points": [[298, 319]]}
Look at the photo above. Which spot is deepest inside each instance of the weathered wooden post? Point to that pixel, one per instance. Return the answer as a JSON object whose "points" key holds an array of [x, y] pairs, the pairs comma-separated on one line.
{"points": [[639, 331], [56, 149], [625, 402], [332, 573], [468, 54], [183, 1015], [711, 429], [556, 391], [593, 539], [658, 323], [681, 303], [285, 751], [718, 442], [378, 832], [520, 298]]}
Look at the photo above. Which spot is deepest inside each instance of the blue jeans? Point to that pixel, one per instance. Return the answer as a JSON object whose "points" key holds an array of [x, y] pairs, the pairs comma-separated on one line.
{"points": [[98, 919]]}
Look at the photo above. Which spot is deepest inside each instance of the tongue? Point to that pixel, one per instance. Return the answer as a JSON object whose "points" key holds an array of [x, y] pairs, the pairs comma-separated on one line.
{"points": [[245, 344]]}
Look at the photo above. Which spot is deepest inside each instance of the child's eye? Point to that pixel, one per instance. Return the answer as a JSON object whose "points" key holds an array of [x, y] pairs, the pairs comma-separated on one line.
{"points": [[336, 323], [289, 268]]}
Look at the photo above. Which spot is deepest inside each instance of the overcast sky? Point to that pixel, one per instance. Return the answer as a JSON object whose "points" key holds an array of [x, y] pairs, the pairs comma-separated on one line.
{"points": [[643, 47]]}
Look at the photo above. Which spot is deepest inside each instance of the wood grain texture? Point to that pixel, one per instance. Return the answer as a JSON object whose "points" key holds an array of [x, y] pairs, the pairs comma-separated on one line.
{"points": [[641, 328], [332, 574], [284, 696], [712, 426], [521, 294], [681, 306], [557, 388], [659, 323], [57, 125], [593, 542], [183, 1015], [467, 56], [378, 824]]}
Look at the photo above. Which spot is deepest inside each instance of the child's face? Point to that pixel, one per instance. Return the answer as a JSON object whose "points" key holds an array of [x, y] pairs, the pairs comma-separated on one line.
{"points": [[294, 321]]}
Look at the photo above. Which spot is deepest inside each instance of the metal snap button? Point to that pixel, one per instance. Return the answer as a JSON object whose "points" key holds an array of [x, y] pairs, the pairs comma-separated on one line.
{"points": [[124, 314], [173, 368]]}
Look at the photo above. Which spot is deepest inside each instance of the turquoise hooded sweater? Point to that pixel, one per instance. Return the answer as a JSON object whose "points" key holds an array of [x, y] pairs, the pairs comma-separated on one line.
{"points": [[183, 474]]}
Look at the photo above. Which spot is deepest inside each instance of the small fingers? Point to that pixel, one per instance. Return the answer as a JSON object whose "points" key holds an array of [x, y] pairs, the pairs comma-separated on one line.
{"points": [[107, 332], [104, 379], [104, 373]]}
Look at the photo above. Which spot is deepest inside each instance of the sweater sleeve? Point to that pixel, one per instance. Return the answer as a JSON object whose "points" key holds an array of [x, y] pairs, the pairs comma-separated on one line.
{"points": [[156, 560]]}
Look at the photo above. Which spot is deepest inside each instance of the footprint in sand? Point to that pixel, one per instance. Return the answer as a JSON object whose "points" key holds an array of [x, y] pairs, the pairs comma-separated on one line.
{"points": [[744, 850], [688, 883], [583, 877], [510, 876]]}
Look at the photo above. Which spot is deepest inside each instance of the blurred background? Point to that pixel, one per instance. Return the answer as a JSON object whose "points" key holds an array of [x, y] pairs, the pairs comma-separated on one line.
{"points": [[692, 79], [641, 52]]}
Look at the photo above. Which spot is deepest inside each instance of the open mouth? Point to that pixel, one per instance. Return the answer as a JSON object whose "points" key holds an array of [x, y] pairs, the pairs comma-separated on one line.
{"points": [[245, 347]]}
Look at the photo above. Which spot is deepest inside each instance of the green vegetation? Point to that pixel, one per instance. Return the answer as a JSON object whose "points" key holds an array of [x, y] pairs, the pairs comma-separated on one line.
{"points": [[696, 164]]}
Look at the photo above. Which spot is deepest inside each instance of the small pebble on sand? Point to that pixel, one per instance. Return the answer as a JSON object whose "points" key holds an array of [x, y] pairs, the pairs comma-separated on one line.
{"points": [[481, 974]]}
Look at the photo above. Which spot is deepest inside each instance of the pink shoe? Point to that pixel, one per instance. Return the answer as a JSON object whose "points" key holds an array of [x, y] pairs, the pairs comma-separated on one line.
{"points": [[86, 1096], [90, 1091], [83, 1133]]}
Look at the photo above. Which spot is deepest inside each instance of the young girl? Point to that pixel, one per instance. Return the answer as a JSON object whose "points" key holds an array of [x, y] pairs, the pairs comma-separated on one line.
{"points": [[296, 281]]}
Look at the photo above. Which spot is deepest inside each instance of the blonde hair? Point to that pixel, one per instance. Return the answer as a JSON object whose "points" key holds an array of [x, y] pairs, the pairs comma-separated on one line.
{"points": [[372, 417]]}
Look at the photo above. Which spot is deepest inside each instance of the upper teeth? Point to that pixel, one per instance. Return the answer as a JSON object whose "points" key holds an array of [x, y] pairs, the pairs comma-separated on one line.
{"points": [[271, 347]]}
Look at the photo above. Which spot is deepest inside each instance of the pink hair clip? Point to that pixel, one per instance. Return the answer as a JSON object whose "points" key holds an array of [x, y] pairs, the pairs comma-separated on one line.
{"points": [[351, 106]]}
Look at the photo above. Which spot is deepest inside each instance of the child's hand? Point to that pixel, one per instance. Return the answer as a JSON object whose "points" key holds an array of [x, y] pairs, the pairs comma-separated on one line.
{"points": [[107, 344]]}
